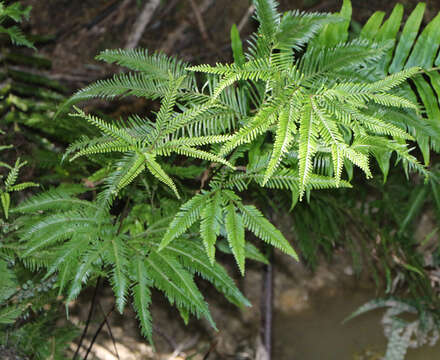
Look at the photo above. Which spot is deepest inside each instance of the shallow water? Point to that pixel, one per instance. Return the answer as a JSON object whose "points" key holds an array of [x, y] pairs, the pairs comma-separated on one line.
{"points": [[318, 333]]}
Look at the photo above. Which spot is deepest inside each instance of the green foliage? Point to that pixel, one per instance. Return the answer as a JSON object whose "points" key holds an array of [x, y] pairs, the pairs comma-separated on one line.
{"points": [[16, 13], [293, 114]]}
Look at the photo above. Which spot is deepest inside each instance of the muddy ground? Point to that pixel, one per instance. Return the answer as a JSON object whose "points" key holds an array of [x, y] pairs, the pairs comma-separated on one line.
{"points": [[79, 31]]}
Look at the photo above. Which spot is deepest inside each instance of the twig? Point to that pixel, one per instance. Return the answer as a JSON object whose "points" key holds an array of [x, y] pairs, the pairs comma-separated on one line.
{"points": [[170, 6], [103, 14], [141, 23], [110, 331], [167, 338], [266, 308], [89, 318], [211, 349], [175, 36], [183, 346], [246, 17], [199, 19], [98, 331]]}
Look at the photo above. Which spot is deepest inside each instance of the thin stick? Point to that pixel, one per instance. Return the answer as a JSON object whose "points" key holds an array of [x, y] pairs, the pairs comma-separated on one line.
{"points": [[266, 307], [109, 331], [98, 331], [246, 17], [167, 338], [199, 19], [89, 318], [141, 23], [179, 32]]}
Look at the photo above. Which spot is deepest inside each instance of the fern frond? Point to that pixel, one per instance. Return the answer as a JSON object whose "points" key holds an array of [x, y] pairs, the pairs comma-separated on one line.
{"points": [[255, 221], [157, 171], [142, 296], [194, 258], [187, 215], [116, 256], [235, 235], [211, 217], [137, 165], [307, 147], [268, 18], [256, 125], [178, 285], [283, 141], [83, 269], [298, 28], [155, 66], [111, 130], [60, 198]]}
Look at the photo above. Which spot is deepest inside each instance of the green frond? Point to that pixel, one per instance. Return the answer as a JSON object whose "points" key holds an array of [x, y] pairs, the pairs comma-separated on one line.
{"points": [[359, 159], [328, 128], [103, 148], [123, 172], [381, 127], [298, 28], [336, 33], [177, 283], [59, 234], [61, 198], [194, 153], [258, 69], [135, 84], [255, 125], [9, 314], [157, 171], [283, 141], [111, 130], [352, 55], [211, 217], [198, 140], [116, 256], [255, 221], [23, 186], [83, 269], [195, 259], [307, 146], [167, 105], [338, 163], [187, 215], [317, 182], [391, 81], [155, 66], [268, 18], [17, 37], [235, 235], [137, 165], [142, 296], [54, 222], [392, 100], [13, 174], [67, 255]]}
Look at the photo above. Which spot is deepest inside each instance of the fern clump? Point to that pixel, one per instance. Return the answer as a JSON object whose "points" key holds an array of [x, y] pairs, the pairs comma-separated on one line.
{"points": [[294, 113]]}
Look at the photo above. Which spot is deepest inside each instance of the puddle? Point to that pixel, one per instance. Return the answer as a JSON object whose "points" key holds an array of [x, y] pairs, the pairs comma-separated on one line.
{"points": [[318, 333]]}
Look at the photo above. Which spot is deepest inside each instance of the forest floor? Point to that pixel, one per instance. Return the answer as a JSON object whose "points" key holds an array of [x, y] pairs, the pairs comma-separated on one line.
{"points": [[196, 31]]}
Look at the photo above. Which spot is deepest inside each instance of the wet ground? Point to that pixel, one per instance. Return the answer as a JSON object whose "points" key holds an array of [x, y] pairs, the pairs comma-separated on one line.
{"points": [[317, 333]]}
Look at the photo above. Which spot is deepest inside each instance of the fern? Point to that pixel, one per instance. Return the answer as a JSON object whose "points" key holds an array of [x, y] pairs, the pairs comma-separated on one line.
{"points": [[294, 113]]}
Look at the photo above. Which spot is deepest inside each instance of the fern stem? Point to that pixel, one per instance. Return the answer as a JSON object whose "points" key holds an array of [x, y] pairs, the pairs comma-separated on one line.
{"points": [[89, 318], [101, 325]]}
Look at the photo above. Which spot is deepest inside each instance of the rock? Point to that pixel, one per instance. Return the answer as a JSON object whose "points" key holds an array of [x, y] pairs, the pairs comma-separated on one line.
{"points": [[293, 300]]}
